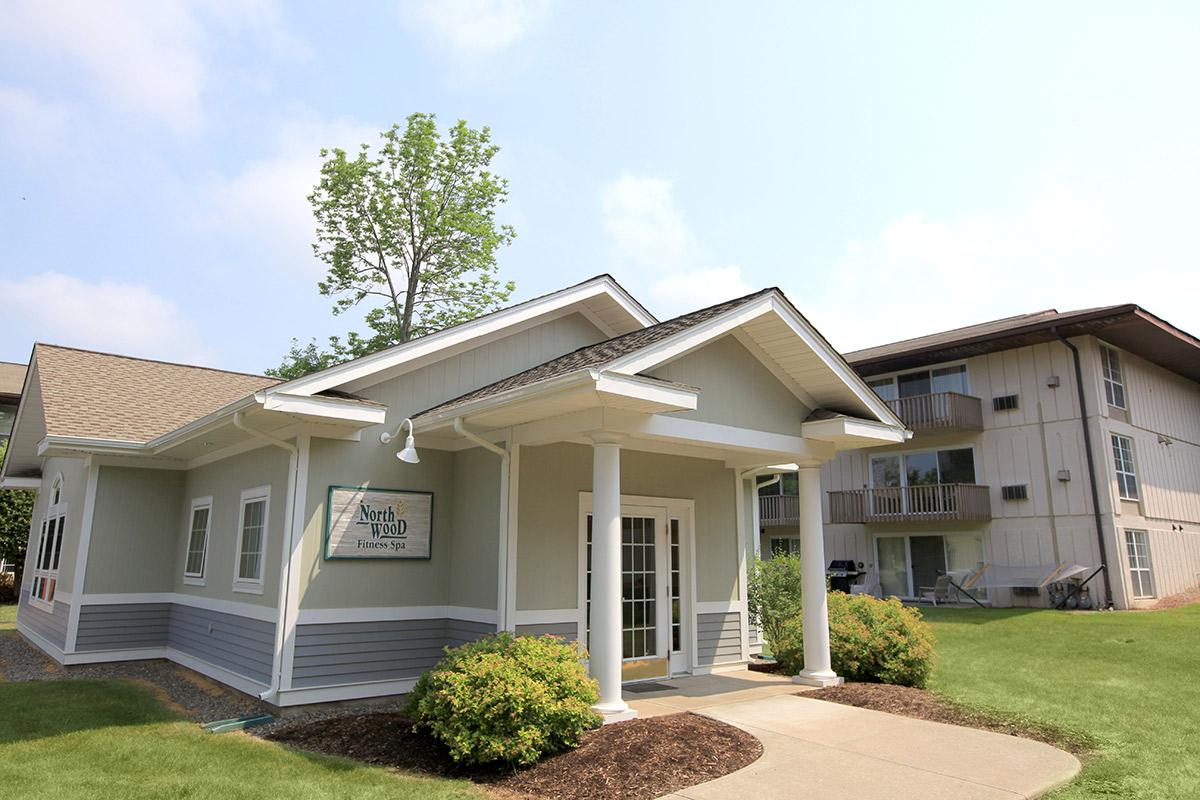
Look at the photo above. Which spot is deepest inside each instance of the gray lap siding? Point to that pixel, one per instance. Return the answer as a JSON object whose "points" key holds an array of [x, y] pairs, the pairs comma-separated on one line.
{"points": [[563, 630], [127, 626], [239, 644], [336, 653], [718, 638], [50, 625]]}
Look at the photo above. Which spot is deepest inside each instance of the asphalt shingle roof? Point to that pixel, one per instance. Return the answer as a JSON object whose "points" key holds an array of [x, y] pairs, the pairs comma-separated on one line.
{"points": [[598, 355], [104, 396], [12, 378]]}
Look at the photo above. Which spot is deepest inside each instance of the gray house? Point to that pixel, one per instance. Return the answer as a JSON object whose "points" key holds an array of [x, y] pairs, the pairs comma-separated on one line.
{"points": [[568, 465]]}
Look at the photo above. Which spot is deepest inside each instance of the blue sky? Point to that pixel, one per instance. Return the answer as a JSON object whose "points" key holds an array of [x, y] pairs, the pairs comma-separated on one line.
{"points": [[896, 168]]}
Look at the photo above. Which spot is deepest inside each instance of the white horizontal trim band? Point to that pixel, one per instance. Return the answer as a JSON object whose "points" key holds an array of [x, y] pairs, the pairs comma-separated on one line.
{"points": [[251, 610], [347, 691], [547, 616], [318, 616], [721, 607]]}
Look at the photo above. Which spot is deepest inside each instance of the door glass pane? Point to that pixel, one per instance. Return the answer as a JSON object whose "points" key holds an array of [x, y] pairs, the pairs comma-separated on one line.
{"points": [[914, 383], [676, 591], [950, 379], [885, 388], [964, 555], [921, 469], [893, 566], [639, 588], [957, 466], [928, 560]]}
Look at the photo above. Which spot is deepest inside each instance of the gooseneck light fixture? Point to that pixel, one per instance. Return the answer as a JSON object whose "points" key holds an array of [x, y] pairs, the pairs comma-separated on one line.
{"points": [[409, 454]]}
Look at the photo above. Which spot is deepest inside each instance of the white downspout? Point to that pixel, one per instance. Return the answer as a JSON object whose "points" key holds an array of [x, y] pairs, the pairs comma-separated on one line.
{"points": [[502, 588], [285, 582]]}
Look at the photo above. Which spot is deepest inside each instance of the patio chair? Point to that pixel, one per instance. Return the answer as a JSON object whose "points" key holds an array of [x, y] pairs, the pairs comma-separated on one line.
{"points": [[869, 586], [941, 591]]}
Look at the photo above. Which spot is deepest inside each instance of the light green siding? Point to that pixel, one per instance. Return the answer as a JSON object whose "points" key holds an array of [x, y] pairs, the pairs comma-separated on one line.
{"points": [[135, 530], [474, 546], [552, 476], [224, 481], [376, 582], [735, 389]]}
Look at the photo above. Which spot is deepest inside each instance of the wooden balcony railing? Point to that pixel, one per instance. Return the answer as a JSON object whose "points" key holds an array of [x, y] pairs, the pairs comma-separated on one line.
{"points": [[779, 509], [931, 503], [942, 411]]}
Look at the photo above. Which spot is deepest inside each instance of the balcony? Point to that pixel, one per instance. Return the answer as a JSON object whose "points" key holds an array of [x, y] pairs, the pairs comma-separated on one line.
{"points": [[941, 411], [779, 509], [939, 502]]}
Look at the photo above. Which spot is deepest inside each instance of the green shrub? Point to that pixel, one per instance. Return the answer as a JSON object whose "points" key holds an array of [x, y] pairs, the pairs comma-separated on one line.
{"points": [[869, 640], [507, 698], [773, 596]]}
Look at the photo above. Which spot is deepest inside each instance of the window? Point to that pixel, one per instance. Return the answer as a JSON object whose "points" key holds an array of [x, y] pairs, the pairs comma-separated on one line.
{"points": [[1114, 386], [1138, 543], [784, 545], [1123, 459], [925, 381], [788, 483], [197, 543], [252, 540], [49, 549], [676, 589]]}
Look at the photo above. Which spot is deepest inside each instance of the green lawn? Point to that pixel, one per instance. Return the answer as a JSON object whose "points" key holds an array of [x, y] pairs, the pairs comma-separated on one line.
{"points": [[8, 617], [92, 739], [1130, 681]]}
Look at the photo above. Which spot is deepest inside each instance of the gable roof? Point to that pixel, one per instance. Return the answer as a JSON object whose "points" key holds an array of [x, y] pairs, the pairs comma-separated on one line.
{"points": [[1128, 326], [596, 356], [601, 299], [95, 395], [12, 378]]}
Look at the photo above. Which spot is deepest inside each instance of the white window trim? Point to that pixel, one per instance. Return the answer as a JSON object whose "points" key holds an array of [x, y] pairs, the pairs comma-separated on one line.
{"points": [[246, 585], [1124, 406], [894, 376], [193, 579], [1148, 569], [52, 513], [1119, 472], [904, 473]]}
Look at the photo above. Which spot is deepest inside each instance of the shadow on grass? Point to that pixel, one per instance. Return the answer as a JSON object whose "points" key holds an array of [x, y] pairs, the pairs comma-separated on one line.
{"points": [[975, 616], [40, 709]]}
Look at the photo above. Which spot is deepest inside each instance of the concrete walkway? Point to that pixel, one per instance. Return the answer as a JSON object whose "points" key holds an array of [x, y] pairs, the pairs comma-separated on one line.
{"points": [[813, 749]]}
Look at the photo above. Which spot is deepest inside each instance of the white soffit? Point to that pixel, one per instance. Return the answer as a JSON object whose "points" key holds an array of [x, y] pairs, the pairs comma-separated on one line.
{"points": [[601, 300]]}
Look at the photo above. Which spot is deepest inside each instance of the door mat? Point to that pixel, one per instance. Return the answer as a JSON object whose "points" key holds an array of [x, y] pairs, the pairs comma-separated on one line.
{"points": [[649, 686]]}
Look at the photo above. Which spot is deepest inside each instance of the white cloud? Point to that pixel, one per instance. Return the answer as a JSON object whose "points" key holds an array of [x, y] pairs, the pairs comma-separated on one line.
{"points": [[475, 28], [1066, 247], [105, 315], [651, 234], [30, 122], [148, 57], [267, 201]]}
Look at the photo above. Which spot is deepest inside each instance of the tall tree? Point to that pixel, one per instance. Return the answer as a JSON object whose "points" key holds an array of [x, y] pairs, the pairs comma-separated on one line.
{"points": [[411, 228], [16, 511]]}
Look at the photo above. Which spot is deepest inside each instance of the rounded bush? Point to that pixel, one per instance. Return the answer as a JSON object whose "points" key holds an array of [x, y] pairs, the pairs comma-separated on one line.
{"points": [[507, 698], [872, 640]]}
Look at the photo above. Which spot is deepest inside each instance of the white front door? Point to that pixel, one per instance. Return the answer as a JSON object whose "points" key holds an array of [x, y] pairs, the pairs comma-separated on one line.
{"points": [[654, 617]]}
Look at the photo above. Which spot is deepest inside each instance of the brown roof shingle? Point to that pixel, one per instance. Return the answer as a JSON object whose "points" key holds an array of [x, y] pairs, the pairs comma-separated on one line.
{"points": [[104, 396], [12, 378], [597, 355]]}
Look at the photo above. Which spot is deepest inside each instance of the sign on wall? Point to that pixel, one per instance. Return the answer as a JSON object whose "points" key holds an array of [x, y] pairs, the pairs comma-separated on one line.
{"points": [[377, 523]]}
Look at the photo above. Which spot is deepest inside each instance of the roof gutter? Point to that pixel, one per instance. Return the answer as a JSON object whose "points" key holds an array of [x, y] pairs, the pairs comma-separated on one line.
{"points": [[502, 587], [1091, 462], [285, 580]]}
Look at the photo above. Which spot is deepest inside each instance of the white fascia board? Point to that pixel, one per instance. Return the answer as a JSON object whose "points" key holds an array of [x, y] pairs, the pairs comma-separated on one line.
{"points": [[842, 430], [87, 444], [688, 340], [328, 407], [676, 397], [715, 435], [20, 483], [484, 326]]}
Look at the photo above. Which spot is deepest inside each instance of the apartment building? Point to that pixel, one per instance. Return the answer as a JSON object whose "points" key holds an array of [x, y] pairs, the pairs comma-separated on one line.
{"points": [[998, 470]]}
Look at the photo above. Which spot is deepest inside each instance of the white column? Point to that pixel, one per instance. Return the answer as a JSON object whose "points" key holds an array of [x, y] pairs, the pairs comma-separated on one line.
{"points": [[817, 669], [605, 647]]}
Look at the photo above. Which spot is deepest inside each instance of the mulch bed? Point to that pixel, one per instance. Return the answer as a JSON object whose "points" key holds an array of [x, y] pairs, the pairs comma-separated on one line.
{"points": [[642, 758], [921, 704], [1181, 599]]}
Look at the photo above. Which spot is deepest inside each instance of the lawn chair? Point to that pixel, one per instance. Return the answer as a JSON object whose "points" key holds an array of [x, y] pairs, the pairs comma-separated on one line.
{"points": [[870, 586], [939, 592]]}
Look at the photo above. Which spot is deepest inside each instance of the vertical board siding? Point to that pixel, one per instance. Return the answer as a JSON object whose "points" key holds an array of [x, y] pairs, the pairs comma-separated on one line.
{"points": [[239, 644], [50, 625], [563, 630], [123, 627], [330, 654], [718, 638]]}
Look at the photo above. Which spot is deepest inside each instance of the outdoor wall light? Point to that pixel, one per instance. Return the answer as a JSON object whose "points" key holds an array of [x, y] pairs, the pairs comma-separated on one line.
{"points": [[409, 454]]}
